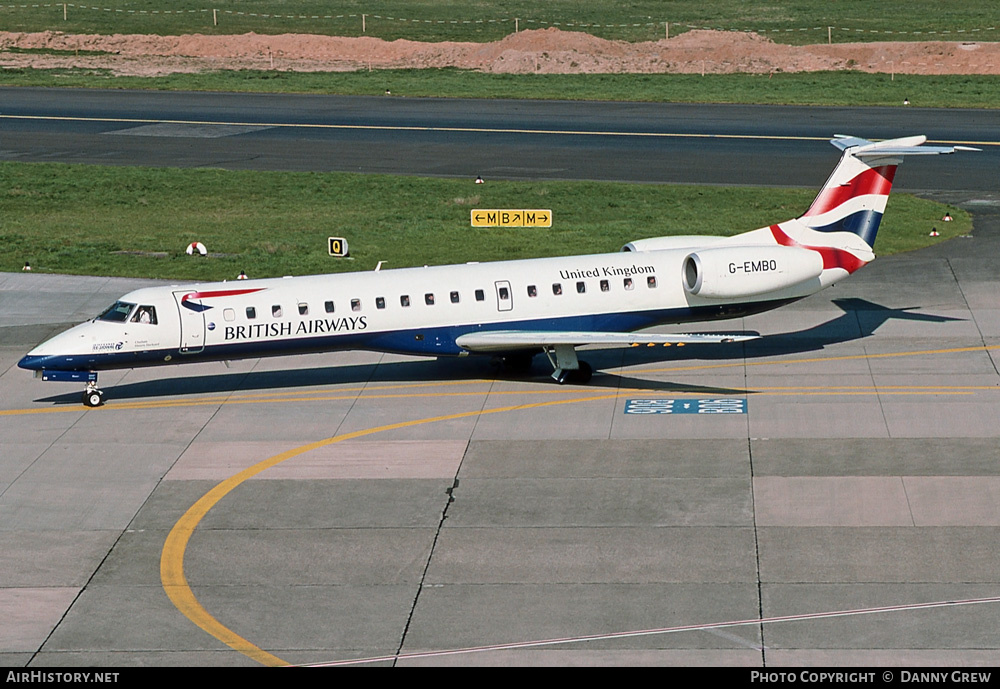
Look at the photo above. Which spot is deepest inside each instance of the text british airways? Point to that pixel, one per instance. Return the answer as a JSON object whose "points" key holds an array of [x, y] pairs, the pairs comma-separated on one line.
{"points": [[315, 326]]}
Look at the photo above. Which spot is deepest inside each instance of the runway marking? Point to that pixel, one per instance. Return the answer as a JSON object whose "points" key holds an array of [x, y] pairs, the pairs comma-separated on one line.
{"points": [[663, 630], [469, 130], [172, 576], [186, 131]]}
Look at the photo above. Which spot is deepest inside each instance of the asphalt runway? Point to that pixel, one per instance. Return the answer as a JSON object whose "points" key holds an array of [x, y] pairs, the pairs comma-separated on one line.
{"points": [[498, 139], [358, 507]]}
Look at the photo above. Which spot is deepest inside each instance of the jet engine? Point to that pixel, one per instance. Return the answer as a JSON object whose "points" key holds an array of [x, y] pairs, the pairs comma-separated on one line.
{"points": [[746, 271]]}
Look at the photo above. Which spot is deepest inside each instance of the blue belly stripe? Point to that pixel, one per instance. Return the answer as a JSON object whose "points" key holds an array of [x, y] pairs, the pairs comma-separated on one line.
{"points": [[436, 341]]}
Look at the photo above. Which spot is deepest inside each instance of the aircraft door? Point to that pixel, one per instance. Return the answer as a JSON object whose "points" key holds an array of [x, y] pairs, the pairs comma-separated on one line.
{"points": [[505, 298], [192, 318]]}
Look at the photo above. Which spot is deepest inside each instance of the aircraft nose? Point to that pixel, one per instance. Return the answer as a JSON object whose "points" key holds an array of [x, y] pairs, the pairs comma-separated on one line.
{"points": [[32, 363]]}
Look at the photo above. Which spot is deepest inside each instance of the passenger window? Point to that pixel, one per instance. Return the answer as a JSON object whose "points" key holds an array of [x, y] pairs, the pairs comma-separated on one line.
{"points": [[251, 313], [429, 299], [480, 295], [454, 297], [556, 289], [504, 293], [145, 314], [355, 304], [379, 302], [404, 300], [651, 281], [532, 291], [303, 309], [276, 311], [229, 315], [328, 306], [581, 287], [628, 283], [605, 286]]}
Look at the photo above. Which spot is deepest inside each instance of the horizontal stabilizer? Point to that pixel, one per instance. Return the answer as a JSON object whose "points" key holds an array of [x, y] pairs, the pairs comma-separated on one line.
{"points": [[908, 145], [510, 340]]}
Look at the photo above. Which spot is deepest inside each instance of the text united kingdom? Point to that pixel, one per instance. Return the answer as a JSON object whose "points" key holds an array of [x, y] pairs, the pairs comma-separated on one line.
{"points": [[606, 272]]}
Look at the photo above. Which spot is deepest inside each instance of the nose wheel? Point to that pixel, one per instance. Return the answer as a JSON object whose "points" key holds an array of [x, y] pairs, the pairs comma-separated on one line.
{"points": [[92, 396]]}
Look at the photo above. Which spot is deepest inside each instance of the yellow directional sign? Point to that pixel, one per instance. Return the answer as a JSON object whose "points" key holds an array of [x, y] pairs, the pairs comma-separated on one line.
{"points": [[511, 218], [338, 247]]}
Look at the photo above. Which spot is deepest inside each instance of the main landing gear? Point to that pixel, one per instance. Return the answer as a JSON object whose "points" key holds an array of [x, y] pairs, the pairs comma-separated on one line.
{"points": [[568, 369], [515, 363], [92, 396]]}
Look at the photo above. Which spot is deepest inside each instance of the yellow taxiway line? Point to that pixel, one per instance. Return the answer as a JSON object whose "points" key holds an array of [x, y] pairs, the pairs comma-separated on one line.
{"points": [[172, 576]]}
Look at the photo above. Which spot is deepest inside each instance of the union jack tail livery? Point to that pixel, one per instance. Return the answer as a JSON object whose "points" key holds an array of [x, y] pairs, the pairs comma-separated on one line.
{"points": [[842, 221], [854, 198]]}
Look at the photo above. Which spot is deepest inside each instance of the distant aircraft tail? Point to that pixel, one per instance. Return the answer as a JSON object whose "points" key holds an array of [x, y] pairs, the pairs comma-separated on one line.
{"points": [[854, 197]]}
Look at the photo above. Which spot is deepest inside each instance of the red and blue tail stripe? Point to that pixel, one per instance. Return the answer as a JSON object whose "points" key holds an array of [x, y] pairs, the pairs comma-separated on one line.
{"points": [[855, 204], [833, 257]]}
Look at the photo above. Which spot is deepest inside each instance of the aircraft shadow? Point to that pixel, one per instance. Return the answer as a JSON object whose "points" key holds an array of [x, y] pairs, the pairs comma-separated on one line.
{"points": [[861, 318]]}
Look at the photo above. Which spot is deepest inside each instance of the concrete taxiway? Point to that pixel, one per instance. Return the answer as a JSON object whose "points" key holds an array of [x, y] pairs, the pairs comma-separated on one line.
{"points": [[358, 506]]}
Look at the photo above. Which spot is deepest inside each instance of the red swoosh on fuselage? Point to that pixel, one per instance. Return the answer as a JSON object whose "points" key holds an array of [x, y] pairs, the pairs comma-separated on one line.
{"points": [[220, 293]]}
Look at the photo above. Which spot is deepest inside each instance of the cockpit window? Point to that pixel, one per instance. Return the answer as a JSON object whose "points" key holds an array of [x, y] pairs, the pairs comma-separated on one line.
{"points": [[145, 314], [117, 312]]}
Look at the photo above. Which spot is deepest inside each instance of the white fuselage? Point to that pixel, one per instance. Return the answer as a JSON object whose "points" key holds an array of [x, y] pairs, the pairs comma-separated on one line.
{"points": [[413, 310]]}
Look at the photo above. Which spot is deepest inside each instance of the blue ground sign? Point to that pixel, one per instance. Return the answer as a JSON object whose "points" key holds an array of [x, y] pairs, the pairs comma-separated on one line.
{"points": [[725, 405]]}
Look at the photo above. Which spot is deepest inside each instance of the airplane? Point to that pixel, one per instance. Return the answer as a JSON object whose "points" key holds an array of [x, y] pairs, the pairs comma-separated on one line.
{"points": [[507, 309]]}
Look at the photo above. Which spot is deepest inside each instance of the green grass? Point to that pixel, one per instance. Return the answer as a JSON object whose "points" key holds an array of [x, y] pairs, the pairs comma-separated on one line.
{"points": [[814, 88], [800, 21], [74, 218]]}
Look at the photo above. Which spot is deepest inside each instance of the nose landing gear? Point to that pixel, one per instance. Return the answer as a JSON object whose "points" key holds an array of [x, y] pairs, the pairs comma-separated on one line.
{"points": [[92, 396]]}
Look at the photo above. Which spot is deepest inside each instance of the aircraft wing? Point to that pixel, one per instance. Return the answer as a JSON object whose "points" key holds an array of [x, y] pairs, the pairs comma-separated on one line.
{"points": [[511, 340]]}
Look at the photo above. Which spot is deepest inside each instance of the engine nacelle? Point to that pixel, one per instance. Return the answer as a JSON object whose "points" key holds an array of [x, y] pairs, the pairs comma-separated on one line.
{"points": [[747, 271], [666, 243]]}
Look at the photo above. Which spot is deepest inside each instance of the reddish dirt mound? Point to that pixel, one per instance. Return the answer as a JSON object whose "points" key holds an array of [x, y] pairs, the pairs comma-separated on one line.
{"points": [[548, 51]]}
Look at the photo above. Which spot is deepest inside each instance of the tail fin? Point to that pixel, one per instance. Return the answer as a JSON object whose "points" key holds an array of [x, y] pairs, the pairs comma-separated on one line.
{"points": [[854, 197]]}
